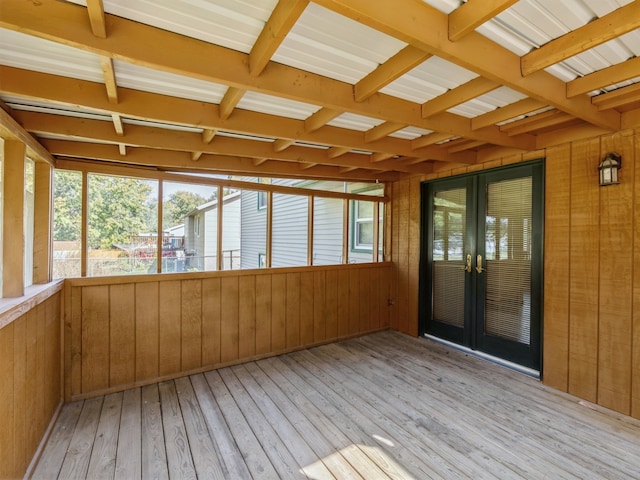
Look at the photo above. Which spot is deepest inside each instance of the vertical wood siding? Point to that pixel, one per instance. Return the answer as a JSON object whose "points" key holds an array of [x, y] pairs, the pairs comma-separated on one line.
{"points": [[136, 330], [591, 324], [30, 383]]}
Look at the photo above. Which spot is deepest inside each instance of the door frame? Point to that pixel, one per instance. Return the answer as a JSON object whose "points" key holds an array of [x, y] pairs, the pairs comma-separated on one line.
{"points": [[425, 286]]}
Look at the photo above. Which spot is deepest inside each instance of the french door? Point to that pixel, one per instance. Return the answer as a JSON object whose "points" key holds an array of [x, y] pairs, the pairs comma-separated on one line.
{"points": [[481, 261]]}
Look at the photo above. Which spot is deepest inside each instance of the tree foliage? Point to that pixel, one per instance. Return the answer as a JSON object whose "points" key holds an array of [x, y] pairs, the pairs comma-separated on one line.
{"points": [[178, 205], [67, 205], [118, 208]]}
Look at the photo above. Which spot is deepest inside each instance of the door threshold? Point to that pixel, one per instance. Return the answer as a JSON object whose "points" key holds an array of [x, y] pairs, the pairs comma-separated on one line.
{"points": [[485, 356]]}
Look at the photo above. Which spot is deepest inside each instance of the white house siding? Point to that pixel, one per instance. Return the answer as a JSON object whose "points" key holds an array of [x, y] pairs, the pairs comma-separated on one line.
{"points": [[231, 221], [327, 231], [289, 239], [253, 236], [210, 246]]}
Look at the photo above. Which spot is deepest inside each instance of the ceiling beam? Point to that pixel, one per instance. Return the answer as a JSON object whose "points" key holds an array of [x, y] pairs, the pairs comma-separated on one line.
{"points": [[117, 123], [152, 137], [603, 78], [513, 110], [425, 27], [230, 101], [617, 23], [207, 135], [169, 52], [282, 19], [472, 89], [282, 144], [616, 98], [383, 130], [430, 139], [402, 62], [335, 152], [536, 122], [96, 18], [172, 160], [470, 15], [11, 129], [179, 111], [320, 118], [109, 75]]}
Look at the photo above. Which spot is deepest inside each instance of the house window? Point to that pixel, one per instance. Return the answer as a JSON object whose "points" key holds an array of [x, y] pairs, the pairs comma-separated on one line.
{"points": [[196, 226], [362, 225], [262, 260], [262, 195], [29, 217]]}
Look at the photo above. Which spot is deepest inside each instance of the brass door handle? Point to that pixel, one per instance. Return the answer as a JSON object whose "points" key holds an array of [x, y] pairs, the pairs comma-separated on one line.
{"points": [[467, 267], [479, 268]]}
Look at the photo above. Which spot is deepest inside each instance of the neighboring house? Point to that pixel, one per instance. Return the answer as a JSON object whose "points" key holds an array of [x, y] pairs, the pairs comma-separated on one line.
{"points": [[290, 229], [201, 237]]}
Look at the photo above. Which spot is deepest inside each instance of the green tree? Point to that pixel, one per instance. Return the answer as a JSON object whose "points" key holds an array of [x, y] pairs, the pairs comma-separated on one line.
{"points": [[178, 205], [67, 205], [118, 208]]}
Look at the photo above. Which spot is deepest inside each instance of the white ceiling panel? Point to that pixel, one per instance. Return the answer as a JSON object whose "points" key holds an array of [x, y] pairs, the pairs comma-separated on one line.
{"points": [[430, 79], [32, 53], [334, 46], [497, 98], [409, 133], [259, 102], [165, 83], [32, 105], [355, 122], [234, 24]]}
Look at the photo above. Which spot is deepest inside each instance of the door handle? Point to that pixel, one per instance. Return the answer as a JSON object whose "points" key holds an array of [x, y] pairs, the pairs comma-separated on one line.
{"points": [[479, 268], [467, 267]]}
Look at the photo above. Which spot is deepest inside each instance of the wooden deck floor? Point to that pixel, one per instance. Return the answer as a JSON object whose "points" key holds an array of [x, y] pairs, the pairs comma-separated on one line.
{"points": [[381, 406]]}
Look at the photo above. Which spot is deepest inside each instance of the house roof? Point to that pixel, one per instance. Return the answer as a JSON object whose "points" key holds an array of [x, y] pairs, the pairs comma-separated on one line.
{"points": [[328, 89], [233, 196]]}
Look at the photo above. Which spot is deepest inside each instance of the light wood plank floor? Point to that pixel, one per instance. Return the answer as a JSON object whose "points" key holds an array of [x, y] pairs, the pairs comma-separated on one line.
{"points": [[381, 406]]}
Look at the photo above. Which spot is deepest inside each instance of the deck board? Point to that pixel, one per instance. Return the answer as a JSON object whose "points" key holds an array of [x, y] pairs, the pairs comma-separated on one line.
{"points": [[381, 406]]}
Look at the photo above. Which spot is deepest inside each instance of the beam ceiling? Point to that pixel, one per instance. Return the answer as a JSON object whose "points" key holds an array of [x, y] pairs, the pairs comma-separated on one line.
{"points": [[425, 89]]}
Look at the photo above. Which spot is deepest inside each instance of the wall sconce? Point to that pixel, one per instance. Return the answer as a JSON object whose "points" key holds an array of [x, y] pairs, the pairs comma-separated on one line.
{"points": [[611, 163]]}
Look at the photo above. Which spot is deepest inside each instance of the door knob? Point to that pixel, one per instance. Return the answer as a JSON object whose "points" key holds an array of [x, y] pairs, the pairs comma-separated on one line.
{"points": [[468, 265]]}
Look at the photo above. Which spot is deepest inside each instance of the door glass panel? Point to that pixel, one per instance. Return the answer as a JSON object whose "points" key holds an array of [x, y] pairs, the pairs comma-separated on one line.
{"points": [[508, 259], [449, 221]]}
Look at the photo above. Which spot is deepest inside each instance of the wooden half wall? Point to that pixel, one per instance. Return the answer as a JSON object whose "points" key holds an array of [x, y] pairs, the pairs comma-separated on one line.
{"points": [[30, 375], [591, 311], [127, 331]]}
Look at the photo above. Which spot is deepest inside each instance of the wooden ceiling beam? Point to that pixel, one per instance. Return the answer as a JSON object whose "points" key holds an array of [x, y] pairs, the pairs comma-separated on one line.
{"points": [[95, 10], [320, 118], [605, 77], [335, 152], [157, 138], [383, 130], [282, 19], [207, 135], [402, 62], [179, 54], [172, 160], [616, 98], [230, 101], [472, 89], [282, 144], [470, 15], [462, 146], [426, 28], [536, 122], [430, 139], [513, 110], [109, 74], [11, 129], [117, 124], [620, 21]]}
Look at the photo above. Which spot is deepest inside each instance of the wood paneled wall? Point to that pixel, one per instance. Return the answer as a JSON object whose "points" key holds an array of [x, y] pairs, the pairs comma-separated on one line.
{"points": [[30, 382], [591, 324], [127, 331]]}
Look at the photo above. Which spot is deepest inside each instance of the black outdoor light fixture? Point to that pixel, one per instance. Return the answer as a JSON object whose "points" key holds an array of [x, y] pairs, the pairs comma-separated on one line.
{"points": [[611, 163]]}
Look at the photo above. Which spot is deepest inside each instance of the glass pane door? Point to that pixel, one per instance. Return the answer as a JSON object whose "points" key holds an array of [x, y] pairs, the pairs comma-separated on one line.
{"points": [[482, 261]]}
